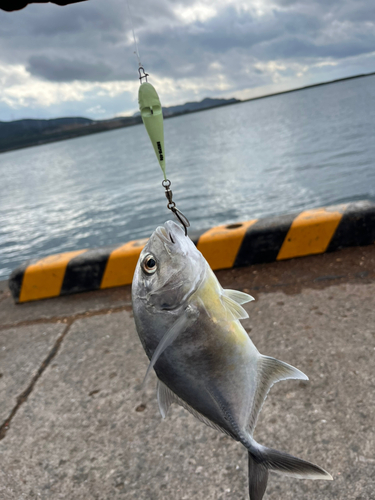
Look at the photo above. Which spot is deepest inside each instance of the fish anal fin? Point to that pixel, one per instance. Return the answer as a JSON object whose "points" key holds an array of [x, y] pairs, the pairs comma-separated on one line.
{"points": [[270, 371], [166, 397], [233, 309], [237, 296]]}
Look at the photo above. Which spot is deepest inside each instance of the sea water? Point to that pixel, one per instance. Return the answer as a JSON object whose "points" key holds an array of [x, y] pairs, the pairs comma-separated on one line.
{"points": [[282, 154]]}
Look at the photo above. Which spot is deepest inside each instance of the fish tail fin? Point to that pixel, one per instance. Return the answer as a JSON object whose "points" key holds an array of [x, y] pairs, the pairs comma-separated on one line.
{"points": [[258, 478], [262, 459]]}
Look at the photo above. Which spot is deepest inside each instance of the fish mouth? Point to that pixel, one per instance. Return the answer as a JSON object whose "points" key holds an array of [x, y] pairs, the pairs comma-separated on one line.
{"points": [[164, 235]]}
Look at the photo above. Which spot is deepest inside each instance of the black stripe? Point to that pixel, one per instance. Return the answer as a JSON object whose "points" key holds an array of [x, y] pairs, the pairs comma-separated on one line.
{"points": [[263, 240], [85, 272], [16, 279], [356, 228]]}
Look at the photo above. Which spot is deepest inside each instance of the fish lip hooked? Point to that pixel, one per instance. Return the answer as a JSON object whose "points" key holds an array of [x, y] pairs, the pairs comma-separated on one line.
{"points": [[165, 235], [162, 234]]}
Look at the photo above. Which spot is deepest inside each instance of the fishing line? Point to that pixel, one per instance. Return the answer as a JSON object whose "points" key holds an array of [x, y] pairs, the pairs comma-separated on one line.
{"points": [[136, 52]]}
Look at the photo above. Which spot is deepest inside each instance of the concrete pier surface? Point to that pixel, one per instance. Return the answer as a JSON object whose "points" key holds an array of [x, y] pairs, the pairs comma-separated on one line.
{"points": [[74, 423]]}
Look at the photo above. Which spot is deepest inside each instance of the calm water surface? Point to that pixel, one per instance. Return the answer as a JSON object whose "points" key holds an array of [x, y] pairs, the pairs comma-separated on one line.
{"points": [[277, 155]]}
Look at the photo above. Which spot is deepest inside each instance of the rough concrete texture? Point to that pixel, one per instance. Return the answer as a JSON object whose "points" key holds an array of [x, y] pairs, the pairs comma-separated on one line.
{"points": [[87, 431], [60, 308], [20, 360]]}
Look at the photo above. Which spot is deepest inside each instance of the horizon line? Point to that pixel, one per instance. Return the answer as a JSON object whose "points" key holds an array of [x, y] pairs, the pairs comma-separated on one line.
{"points": [[297, 89]]}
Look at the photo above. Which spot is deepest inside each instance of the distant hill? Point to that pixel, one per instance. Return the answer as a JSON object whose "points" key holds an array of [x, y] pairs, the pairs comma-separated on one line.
{"points": [[22, 128], [191, 107], [197, 106], [24, 133]]}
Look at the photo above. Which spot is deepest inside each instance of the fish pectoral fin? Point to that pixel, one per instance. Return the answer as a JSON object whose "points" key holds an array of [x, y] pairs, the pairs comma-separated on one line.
{"points": [[233, 309], [270, 371], [184, 321], [239, 297]]}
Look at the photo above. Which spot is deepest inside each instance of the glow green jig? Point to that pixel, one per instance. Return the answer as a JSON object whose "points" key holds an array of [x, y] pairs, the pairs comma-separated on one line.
{"points": [[152, 116]]}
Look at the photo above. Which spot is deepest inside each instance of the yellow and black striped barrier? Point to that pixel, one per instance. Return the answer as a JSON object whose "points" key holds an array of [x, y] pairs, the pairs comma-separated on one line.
{"points": [[253, 242]]}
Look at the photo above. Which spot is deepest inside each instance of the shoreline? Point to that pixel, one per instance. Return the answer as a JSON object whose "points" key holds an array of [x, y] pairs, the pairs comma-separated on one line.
{"points": [[122, 122]]}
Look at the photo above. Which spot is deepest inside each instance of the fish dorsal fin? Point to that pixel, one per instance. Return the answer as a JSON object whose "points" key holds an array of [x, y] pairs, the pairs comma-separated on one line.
{"points": [[270, 371], [166, 397], [184, 321], [233, 309], [237, 296]]}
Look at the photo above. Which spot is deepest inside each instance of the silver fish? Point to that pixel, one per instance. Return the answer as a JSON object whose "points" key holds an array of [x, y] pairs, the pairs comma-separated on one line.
{"points": [[204, 360]]}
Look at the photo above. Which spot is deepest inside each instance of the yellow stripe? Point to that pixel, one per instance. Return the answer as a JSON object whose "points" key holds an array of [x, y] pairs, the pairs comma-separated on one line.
{"points": [[121, 264], [220, 244], [45, 278], [311, 232]]}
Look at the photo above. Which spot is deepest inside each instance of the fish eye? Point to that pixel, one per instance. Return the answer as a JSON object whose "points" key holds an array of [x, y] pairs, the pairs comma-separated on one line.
{"points": [[149, 264]]}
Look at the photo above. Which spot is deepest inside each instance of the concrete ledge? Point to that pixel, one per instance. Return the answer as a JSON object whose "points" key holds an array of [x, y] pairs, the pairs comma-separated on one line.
{"points": [[253, 242]]}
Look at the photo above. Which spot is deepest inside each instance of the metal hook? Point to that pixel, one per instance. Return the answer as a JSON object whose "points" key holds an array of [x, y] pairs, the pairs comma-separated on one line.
{"points": [[172, 205], [145, 75], [181, 217]]}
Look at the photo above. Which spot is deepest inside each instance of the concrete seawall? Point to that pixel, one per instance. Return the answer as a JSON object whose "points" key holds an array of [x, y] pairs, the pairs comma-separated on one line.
{"points": [[242, 244], [75, 424]]}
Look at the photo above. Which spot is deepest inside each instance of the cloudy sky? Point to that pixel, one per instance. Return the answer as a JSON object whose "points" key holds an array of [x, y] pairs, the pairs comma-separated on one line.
{"points": [[79, 60]]}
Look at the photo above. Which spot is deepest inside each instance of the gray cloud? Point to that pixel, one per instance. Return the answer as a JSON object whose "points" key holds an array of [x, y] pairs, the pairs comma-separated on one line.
{"points": [[65, 70], [92, 31], [89, 41], [232, 30]]}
